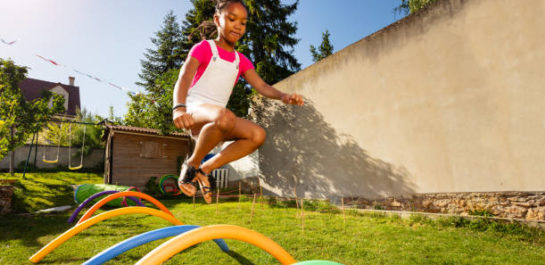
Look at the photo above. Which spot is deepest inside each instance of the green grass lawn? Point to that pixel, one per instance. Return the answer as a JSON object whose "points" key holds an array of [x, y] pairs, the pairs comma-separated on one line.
{"points": [[358, 239], [45, 190]]}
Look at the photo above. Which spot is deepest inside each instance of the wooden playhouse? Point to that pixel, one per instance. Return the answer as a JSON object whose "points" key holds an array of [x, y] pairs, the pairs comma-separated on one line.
{"points": [[133, 155]]}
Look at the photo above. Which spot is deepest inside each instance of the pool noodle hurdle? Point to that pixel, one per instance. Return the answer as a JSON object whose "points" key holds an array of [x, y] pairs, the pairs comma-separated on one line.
{"points": [[161, 233], [102, 202], [144, 238], [94, 196], [187, 235], [124, 202], [193, 237], [101, 217]]}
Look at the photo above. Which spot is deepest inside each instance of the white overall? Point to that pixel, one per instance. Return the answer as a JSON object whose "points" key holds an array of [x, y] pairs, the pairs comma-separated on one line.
{"points": [[216, 83]]}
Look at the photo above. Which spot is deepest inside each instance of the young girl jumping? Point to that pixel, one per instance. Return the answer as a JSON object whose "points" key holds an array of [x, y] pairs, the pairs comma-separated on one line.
{"points": [[202, 91]]}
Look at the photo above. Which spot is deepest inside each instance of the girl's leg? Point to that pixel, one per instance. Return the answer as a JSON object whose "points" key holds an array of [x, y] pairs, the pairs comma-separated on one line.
{"points": [[248, 137], [212, 124], [216, 124]]}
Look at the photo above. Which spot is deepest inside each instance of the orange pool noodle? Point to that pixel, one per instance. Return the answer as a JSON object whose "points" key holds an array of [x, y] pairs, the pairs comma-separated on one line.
{"points": [[188, 239], [114, 196], [103, 216]]}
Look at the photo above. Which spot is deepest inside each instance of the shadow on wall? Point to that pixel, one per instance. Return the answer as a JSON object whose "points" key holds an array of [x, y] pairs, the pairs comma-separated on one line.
{"points": [[305, 152]]}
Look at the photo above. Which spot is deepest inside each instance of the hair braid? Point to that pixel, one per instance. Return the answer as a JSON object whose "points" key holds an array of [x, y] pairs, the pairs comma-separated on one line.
{"points": [[221, 4], [207, 29]]}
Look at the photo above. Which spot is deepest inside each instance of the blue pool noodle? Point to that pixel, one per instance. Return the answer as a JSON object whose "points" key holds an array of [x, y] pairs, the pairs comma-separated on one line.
{"points": [[144, 238]]}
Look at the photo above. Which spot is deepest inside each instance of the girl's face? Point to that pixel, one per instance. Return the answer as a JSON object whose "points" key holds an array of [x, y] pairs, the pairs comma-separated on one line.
{"points": [[231, 22]]}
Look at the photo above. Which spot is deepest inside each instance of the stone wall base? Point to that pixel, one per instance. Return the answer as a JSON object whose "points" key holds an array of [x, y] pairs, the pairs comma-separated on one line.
{"points": [[248, 185], [519, 205]]}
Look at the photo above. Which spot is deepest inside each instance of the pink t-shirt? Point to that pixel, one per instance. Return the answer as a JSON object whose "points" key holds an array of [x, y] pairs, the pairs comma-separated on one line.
{"points": [[202, 52]]}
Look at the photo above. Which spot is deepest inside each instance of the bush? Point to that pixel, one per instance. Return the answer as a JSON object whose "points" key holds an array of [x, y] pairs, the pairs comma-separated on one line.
{"points": [[323, 206], [482, 212], [152, 187]]}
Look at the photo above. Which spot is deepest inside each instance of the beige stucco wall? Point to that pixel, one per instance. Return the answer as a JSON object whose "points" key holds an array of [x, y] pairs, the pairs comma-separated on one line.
{"points": [[450, 99]]}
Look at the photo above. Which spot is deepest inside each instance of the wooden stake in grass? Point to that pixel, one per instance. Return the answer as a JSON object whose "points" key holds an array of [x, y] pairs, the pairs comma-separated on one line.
{"points": [[303, 215], [217, 199], [253, 206], [342, 208], [296, 202], [261, 195], [239, 192]]}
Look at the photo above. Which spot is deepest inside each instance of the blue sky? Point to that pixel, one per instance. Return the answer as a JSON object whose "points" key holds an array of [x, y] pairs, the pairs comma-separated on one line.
{"points": [[107, 38]]}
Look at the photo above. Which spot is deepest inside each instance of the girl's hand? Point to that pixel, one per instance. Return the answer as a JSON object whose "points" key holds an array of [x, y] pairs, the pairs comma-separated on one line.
{"points": [[293, 99], [182, 119]]}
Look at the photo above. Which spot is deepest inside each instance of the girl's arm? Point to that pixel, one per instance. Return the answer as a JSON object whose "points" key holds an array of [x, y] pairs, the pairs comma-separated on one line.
{"points": [[267, 90], [181, 118]]}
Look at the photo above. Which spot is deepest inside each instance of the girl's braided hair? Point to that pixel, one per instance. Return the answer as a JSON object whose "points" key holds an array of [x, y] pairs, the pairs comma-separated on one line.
{"points": [[207, 29], [221, 4]]}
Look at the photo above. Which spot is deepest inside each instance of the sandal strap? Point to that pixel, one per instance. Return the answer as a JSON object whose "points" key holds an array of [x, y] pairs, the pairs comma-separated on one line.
{"points": [[212, 181], [205, 189], [200, 171], [189, 174]]}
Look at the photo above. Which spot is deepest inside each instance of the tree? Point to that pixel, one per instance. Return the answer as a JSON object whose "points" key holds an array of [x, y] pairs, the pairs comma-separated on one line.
{"points": [[203, 10], [57, 133], [20, 118], [324, 50], [154, 112], [5, 129], [111, 117], [166, 55], [152, 109], [269, 35], [93, 133], [411, 6]]}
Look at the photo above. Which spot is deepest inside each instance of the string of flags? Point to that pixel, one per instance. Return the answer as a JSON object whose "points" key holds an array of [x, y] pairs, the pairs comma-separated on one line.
{"points": [[8, 42], [55, 63]]}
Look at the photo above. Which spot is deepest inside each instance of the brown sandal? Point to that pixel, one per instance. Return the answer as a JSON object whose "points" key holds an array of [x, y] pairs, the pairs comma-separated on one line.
{"points": [[185, 181], [204, 184]]}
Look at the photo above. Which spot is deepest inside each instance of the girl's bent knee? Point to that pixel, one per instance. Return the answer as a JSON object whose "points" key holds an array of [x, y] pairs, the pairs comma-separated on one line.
{"points": [[259, 136], [225, 120]]}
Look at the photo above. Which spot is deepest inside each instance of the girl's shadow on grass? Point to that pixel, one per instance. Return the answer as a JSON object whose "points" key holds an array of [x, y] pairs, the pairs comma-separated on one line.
{"points": [[63, 260], [241, 259]]}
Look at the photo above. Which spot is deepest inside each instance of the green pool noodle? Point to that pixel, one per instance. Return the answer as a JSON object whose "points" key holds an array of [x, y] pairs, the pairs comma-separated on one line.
{"points": [[85, 191]]}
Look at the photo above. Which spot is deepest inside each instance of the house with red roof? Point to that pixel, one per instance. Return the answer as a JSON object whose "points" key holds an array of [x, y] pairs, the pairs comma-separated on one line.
{"points": [[33, 88]]}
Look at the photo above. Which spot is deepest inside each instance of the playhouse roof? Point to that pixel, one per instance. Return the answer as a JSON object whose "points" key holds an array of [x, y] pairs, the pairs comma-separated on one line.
{"points": [[140, 130]]}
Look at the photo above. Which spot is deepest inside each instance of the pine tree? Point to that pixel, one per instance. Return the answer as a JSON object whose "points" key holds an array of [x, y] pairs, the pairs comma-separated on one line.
{"points": [[166, 55], [269, 35], [144, 109], [324, 50], [203, 10]]}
